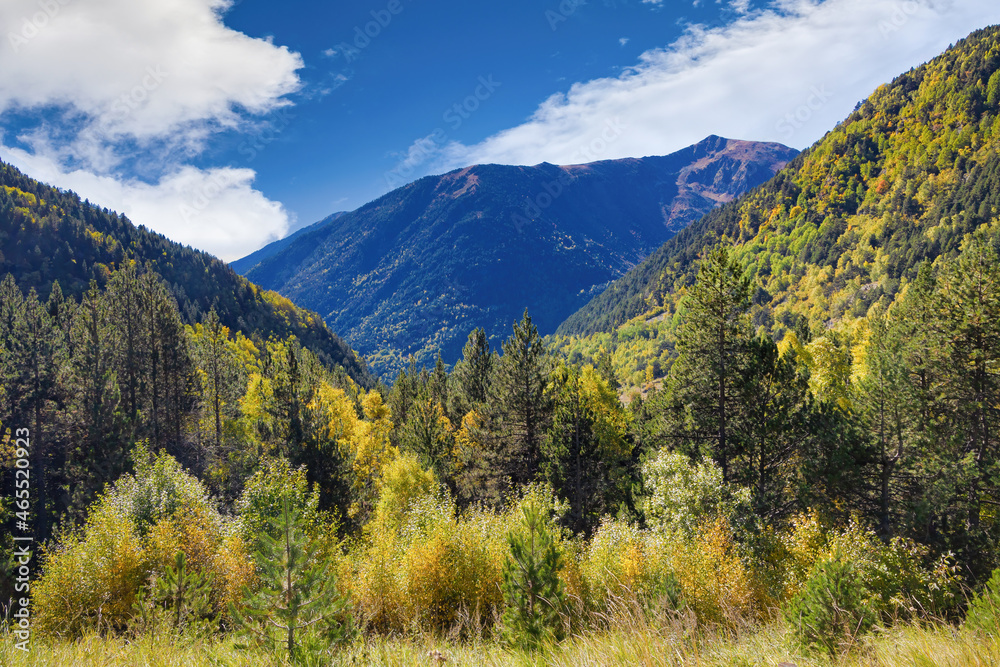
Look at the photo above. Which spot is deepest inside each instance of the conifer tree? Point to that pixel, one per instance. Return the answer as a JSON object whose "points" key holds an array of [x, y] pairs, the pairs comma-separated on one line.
{"points": [[533, 592], [472, 373], [182, 597], [702, 386], [520, 405], [297, 606]]}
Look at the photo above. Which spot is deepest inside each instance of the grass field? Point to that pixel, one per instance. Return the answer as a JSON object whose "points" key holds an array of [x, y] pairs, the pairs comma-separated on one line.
{"points": [[909, 646]]}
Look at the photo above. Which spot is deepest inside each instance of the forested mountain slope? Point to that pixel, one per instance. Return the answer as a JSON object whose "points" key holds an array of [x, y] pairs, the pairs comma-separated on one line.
{"points": [[47, 234], [414, 271], [902, 180]]}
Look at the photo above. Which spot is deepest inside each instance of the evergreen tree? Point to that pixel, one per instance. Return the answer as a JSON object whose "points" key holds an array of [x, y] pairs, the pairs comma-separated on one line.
{"points": [[533, 592], [180, 597], [297, 606], [768, 426], [472, 373], [520, 405], [702, 394]]}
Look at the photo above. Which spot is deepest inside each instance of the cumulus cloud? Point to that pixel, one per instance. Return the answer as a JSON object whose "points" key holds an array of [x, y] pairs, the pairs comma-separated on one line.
{"points": [[786, 73], [206, 208], [108, 77]]}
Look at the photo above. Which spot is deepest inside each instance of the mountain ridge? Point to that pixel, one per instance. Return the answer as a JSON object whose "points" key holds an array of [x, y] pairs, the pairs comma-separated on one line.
{"points": [[415, 270]]}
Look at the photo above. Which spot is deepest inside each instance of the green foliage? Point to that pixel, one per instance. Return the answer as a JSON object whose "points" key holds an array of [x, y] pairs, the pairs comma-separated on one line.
{"points": [[984, 610], [681, 494], [265, 495], [179, 599], [533, 592], [296, 605], [49, 235], [829, 612]]}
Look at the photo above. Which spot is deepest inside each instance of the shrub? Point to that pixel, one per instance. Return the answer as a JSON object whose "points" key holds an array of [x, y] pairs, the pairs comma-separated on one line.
{"points": [[829, 613], [715, 582], [984, 610], [132, 535], [680, 494], [623, 563], [90, 580]]}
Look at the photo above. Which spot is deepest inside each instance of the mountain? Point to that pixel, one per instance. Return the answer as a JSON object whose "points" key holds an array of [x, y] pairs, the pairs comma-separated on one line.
{"points": [[413, 272], [845, 225], [244, 264], [47, 234]]}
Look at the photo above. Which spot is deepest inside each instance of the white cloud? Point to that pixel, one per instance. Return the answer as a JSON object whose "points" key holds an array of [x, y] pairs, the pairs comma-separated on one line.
{"points": [[215, 209], [623, 41], [788, 73], [110, 79]]}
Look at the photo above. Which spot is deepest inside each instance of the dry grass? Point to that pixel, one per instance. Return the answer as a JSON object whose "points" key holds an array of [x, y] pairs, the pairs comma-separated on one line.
{"points": [[674, 645]]}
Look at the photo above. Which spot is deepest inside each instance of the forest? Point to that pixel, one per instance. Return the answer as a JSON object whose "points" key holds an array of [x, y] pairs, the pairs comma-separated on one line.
{"points": [[776, 440], [192, 483]]}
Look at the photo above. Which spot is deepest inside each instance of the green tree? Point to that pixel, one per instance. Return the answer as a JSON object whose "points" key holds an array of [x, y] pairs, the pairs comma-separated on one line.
{"points": [[586, 450], [829, 612], [702, 388], [520, 405], [297, 606], [472, 374], [180, 597], [533, 592]]}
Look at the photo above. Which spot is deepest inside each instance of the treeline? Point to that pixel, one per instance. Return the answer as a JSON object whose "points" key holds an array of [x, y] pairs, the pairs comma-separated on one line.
{"points": [[48, 235], [843, 228], [760, 475], [93, 378]]}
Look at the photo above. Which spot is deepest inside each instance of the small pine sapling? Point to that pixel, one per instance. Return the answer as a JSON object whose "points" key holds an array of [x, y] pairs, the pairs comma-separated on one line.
{"points": [[180, 599], [533, 592], [830, 613], [297, 605]]}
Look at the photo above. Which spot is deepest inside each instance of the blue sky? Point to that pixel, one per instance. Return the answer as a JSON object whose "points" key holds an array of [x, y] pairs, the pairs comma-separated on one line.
{"points": [[226, 124]]}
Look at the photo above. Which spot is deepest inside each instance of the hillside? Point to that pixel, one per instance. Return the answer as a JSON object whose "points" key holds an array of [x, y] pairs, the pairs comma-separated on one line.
{"points": [[48, 234], [416, 270], [845, 225], [244, 264]]}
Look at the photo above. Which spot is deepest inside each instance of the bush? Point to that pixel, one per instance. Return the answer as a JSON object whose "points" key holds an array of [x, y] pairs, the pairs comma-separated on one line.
{"points": [[426, 566], [90, 580], [984, 610], [132, 534], [829, 613], [623, 563], [680, 494]]}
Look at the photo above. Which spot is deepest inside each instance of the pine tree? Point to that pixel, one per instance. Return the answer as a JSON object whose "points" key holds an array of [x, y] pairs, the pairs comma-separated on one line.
{"points": [[520, 405], [472, 373], [702, 396], [533, 592], [182, 598], [297, 605]]}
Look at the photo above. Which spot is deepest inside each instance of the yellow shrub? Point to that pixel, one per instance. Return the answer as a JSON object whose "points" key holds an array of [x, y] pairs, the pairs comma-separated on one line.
{"points": [[715, 582], [91, 579]]}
